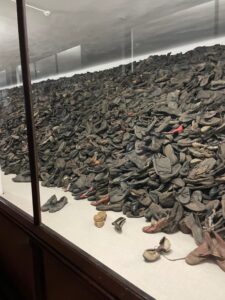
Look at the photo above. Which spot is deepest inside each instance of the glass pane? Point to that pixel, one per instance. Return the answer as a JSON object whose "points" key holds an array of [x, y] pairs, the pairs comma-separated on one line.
{"points": [[14, 160], [134, 135]]}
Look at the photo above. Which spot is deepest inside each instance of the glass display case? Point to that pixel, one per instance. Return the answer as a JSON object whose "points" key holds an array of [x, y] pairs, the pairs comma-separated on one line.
{"points": [[129, 117]]}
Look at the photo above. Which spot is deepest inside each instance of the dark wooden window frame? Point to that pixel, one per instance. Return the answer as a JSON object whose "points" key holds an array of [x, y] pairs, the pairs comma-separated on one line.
{"points": [[99, 276]]}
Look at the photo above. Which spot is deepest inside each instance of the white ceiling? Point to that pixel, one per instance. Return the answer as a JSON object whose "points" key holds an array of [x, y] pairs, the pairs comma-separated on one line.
{"points": [[102, 27]]}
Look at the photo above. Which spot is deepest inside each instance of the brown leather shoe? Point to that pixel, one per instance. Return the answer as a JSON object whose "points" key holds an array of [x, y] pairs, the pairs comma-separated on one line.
{"points": [[201, 253], [217, 245], [157, 226], [213, 247], [104, 200]]}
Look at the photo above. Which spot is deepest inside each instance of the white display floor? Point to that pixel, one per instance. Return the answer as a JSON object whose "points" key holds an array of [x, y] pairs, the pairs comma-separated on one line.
{"points": [[163, 279]]}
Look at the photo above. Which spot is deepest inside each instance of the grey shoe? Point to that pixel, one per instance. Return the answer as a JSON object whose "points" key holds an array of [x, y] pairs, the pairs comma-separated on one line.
{"points": [[22, 178], [58, 205], [169, 152], [117, 207], [51, 201], [118, 224], [183, 195]]}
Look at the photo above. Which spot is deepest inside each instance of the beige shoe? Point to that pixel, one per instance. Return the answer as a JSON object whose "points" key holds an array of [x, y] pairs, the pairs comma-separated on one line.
{"points": [[99, 219], [151, 255]]}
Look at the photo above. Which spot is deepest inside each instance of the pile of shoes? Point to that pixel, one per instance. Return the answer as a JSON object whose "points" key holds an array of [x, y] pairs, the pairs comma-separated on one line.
{"points": [[149, 143]]}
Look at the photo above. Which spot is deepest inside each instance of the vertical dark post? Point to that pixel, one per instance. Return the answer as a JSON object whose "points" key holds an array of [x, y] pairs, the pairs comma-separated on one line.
{"points": [[22, 28], [216, 18]]}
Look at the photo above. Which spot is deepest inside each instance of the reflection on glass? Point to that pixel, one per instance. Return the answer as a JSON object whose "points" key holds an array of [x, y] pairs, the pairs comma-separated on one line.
{"points": [[14, 160], [176, 27], [45, 66], [216, 21], [69, 60], [2, 78]]}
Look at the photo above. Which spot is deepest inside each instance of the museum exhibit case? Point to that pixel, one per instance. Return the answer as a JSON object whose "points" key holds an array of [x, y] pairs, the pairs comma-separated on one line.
{"points": [[126, 141]]}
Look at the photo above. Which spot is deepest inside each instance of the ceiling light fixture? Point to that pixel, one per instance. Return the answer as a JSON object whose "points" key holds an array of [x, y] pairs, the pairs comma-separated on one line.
{"points": [[45, 12]]}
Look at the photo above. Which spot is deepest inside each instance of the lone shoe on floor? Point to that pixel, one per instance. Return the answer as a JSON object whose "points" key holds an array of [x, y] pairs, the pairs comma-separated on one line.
{"points": [[151, 255], [118, 224], [58, 205], [99, 219], [51, 201]]}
